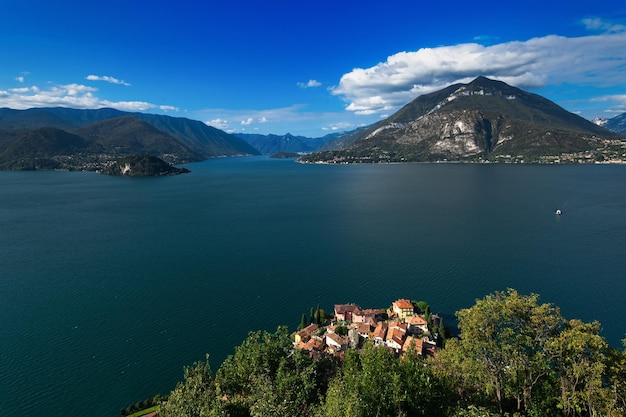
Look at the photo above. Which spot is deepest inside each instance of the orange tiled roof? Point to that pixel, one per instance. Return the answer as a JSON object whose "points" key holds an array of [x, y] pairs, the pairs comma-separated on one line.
{"points": [[403, 304], [344, 308], [371, 311], [413, 341], [337, 339], [308, 329], [396, 333], [363, 328], [313, 344], [417, 320], [380, 330]]}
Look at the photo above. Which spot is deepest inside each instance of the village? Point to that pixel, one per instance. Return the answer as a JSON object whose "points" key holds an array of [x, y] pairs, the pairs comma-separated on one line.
{"points": [[401, 327]]}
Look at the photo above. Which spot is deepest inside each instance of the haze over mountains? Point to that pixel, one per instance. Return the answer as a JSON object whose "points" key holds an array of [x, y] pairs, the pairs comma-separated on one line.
{"points": [[481, 120], [272, 144]]}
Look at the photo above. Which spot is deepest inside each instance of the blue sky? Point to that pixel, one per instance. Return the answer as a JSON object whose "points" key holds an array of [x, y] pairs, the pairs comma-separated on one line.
{"points": [[304, 67]]}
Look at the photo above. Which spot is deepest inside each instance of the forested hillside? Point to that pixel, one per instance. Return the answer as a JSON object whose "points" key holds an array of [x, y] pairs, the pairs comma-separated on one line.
{"points": [[513, 357]]}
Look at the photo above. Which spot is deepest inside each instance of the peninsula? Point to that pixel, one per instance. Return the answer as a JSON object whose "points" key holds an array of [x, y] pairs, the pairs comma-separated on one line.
{"points": [[142, 166]]}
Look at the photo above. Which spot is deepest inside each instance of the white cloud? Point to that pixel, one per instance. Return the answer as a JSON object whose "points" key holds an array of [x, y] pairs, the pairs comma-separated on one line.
{"points": [[250, 120], [486, 38], [169, 108], [218, 124], [602, 25], [309, 84], [22, 77], [617, 103], [108, 79], [21, 90], [295, 119], [76, 89], [592, 60], [69, 95], [129, 105], [339, 127]]}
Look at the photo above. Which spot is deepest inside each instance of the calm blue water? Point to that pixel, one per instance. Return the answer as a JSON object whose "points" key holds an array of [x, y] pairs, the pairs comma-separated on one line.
{"points": [[109, 286]]}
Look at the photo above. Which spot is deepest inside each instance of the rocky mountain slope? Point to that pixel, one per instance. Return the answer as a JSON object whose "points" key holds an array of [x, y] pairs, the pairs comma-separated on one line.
{"points": [[482, 120]]}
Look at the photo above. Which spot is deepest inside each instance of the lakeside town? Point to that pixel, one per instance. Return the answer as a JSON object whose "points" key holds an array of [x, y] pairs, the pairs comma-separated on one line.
{"points": [[405, 325]]}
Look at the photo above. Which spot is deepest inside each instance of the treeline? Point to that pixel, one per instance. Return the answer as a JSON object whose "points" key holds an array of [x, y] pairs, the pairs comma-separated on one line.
{"points": [[513, 357]]}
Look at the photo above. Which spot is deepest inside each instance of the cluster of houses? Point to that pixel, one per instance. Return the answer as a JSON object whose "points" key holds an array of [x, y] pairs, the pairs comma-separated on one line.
{"points": [[399, 328]]}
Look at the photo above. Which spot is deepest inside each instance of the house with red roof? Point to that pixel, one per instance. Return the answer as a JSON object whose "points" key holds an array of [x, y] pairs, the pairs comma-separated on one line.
{"points": [[366, 316], [379, 334], [335, 342], [417, 324], [305, 334], [345, 312], [402, 308]]}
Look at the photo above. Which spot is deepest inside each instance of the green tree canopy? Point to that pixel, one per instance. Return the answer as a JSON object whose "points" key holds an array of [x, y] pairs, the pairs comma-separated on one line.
{"points": [[195, 397], [502, 346]]}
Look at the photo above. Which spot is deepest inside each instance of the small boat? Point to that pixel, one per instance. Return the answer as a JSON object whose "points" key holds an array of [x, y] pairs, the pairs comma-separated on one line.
{"points": [[558, 212]]}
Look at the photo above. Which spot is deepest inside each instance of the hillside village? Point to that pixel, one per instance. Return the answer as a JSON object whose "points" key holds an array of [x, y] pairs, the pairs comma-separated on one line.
{"points": [[402, 327]]}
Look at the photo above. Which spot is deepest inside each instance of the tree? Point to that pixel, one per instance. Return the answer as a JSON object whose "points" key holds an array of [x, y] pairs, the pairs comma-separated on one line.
{"points": [[502, 344], [617, 377], [196, 396], [422, 306], [303, 322], [261, 353], [322, 316], [376, 382], [267, 377], [441, 332], [579, 357]]}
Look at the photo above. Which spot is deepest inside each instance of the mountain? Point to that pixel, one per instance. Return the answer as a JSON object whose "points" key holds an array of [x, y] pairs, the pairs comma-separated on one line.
{"points": [[59, 117], [342, 140], [45, 148], [617, 123], [205, 140], [273, 144], [481, 120], [128, 135], [107, 134]]}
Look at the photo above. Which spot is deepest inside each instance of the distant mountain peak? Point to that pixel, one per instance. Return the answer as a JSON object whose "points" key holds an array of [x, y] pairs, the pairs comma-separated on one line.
{"points": [[617, 123], [481, 80], [600, 121]]}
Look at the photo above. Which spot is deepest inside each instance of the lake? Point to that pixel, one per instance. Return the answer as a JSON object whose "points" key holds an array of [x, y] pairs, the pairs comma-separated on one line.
{"points": [[109, 285]]}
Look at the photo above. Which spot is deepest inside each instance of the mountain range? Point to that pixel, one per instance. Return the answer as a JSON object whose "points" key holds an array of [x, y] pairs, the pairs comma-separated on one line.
{"points": [[482, 120], [63, 138], [616, 124], [288, 143]]}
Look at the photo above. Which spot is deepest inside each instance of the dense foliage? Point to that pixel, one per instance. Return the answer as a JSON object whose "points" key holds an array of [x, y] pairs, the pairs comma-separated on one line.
{"points": [[514, 357]]}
